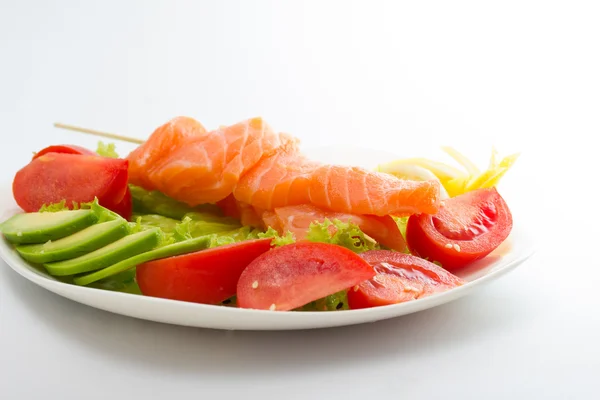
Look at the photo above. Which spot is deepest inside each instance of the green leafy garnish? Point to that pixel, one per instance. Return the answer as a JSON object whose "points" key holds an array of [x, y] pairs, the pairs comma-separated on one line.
{"points": [[62, 206], [103, 214], [345, 234], [333, 302], [401, 222], [155, 202], [107, 150], [122, 282], [278, 240]]}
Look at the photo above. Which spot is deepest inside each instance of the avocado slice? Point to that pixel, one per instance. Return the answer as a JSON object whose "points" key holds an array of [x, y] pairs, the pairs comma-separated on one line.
{"points": [[122, 249], [78, 244], [39, 227], [175, 249]]}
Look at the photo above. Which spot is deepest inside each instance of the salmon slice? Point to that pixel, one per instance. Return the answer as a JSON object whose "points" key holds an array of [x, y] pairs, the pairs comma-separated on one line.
{"points": [[164, 140], [206, 167], [297, 219], [278, 181], [288, 178], [247, 214], [360, 191], [270, 219]]}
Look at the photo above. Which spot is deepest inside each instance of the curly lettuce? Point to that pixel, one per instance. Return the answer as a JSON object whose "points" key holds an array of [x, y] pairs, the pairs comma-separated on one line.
{"points": [[333, 302], [345, 234], [107, 150], [278, 240]]}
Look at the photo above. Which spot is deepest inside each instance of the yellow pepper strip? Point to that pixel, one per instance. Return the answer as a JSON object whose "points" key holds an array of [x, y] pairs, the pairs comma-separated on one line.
{"points": [[454, 181]]}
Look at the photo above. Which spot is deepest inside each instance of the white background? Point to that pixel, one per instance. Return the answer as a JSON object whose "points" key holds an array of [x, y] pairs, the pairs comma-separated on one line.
{"points": [[521, 75]]}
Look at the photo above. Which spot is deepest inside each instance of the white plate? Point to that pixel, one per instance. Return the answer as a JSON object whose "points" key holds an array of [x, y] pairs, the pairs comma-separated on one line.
{"points": [[512, 253]]}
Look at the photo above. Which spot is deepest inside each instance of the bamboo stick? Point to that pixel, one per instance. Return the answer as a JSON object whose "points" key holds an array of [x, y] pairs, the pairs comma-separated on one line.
{"points": [[98, 133]]}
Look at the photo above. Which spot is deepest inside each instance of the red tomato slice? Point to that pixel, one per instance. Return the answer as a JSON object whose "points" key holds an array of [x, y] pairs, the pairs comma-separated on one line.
{"points": [[125, 207], [229, 206], [64, 148], [208, 276], [400, 277], [467, 228], [291, 276], [54, 177]]}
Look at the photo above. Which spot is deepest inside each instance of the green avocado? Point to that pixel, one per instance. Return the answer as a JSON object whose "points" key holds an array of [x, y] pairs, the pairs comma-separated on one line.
{"points": [[175, 249], [113, 253], [78, 244], [39, 227]]}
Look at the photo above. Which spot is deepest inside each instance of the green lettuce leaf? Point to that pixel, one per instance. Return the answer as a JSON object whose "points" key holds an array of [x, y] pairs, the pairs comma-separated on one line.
{"points": [[333, 302], [401, 222], [278, 240], [107, 150], [122, 282], [155, 202], [103, 214], [62, 206], [345, 234]]}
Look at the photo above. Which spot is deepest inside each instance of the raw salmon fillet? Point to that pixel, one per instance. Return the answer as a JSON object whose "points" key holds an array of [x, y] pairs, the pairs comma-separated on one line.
{"points": [[297, 219], [202, 167], [288, 178], [277, 181], [163, 141], [247, 214], [360, 191]]}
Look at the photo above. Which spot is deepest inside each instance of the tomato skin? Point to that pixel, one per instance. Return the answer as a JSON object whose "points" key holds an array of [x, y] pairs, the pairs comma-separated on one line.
{"points": [[467, 228], [293, 275], [229, 206], [208, 276], [54, 177], [400, 278], [125, 207], [64, 148]]}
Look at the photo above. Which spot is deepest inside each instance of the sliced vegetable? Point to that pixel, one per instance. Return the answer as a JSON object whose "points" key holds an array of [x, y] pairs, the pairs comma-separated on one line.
{"points": [[400, 277], [123, 282], [291, 276], [208, 276], [122, 249], [64, 148], [344, 234], [75, 245], [467, 228], [124, 207], [40, 227], [454, 181], [54, 177], [170, 250], [155, 202]]}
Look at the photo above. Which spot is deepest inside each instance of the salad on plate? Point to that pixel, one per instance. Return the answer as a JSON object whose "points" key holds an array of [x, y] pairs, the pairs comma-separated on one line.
{"points": [[240, 217]]}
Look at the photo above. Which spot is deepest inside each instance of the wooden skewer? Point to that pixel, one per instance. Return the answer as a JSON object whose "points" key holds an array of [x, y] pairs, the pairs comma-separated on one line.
{"points": [[98, 133]]}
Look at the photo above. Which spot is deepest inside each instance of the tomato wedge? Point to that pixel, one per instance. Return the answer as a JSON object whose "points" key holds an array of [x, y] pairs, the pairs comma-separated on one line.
{"points": [[208, 276], [467, 228], [64, 148], [53, 177], [291, 276], [125, 207], [400, 277]]}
